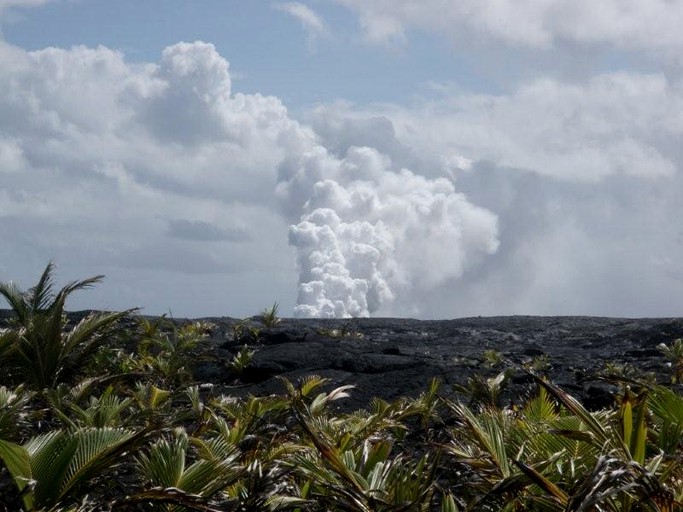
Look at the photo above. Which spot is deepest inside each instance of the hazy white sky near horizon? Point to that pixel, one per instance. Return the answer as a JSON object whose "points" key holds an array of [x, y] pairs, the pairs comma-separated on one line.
{"points": [[432, 159]]}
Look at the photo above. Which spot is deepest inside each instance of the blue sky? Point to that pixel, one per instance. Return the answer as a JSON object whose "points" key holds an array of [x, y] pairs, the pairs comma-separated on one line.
{"points": [[346, 157], [267, 48]]}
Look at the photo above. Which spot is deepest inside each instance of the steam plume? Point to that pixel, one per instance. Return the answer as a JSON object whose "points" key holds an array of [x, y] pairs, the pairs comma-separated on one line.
{"points": [[367, 234]]}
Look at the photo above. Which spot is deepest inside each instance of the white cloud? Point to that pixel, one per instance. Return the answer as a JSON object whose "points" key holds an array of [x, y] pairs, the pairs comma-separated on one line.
{"points": [[11, 156], [576, 248], [10, 10], [611, 124], [583, 177], [108, 165], [654, 24], [554, 197], [310, 21], [122, 168], [6, 4]]}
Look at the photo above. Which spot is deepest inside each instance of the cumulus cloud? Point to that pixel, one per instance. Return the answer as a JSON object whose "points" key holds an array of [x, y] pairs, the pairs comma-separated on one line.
{"points": [[108, 166], [624, 24], [370, 233], [583, 178], [552, 197], [617, 123], [602, 248], [173, 126], [114, 166]]}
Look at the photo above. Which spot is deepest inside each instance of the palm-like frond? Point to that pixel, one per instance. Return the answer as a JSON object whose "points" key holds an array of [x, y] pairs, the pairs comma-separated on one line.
{"points": [[16, 300], [261, 487], [322, 400], [101, 411], [20, 302], [541, 407], [633, 428], [484, 391], [165, 463], [165, 350], [175, 498], [487, 433], [80, 341], [50, 455], [667, 408], [252, 415], [97, 449], [370, 480], [601, 488], [552, 491], [59, 463], [18, 463], [350, 468], [42, 349], [8, 338], [13, 408], [63, 461], [269, 316], [597, 430], [165, 466], [40, 296]]}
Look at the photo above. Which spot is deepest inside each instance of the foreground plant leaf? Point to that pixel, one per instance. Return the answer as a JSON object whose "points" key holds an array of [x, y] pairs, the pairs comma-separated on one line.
{"points": [[18, 463]]}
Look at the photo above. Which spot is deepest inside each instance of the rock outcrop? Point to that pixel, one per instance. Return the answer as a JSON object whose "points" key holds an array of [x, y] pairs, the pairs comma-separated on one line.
{"points": [[393, 357], [390, 357]]}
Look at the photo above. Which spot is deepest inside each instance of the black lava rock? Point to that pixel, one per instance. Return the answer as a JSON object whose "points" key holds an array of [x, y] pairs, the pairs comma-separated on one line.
{"points": [[393, 357]]}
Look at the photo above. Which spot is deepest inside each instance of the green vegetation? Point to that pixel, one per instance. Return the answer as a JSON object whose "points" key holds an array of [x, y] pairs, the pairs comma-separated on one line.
{"points": [[344, 331], [241, 360], [674, 353], [244, 331], [165, 355], [538, 364], [39, 345], [269, 317], [112, 419], [492, 358]]}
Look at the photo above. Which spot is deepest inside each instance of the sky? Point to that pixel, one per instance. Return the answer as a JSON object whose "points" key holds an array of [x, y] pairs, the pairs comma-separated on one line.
{"points": [[432, 159]]}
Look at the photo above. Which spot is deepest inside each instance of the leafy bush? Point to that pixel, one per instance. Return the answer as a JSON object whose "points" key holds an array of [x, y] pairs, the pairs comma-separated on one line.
{"points": [[146, 440], [269, 317], [14, 411], [39, 346], [241, 360], [674, 353], [165, 351]]}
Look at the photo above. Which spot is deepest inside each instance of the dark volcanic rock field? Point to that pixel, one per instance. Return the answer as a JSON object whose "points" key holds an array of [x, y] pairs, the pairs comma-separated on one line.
{"points": [[390, 357]]}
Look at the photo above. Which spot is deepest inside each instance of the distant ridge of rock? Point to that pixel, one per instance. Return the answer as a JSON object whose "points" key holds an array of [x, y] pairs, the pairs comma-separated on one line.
{"points": [[393, 357]]}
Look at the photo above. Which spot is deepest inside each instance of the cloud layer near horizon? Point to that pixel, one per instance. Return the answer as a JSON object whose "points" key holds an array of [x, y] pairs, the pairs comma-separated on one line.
{"points": [[121, 166], [629, 24], [554, 196], [584, 179], [111, 167]]}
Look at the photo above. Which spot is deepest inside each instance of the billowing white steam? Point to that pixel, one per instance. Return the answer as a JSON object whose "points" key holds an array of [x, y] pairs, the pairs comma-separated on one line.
{"points": [[366, 233]]}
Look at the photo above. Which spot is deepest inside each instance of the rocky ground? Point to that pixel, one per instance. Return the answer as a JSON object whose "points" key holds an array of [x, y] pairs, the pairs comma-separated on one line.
{"points": [[390, 357]]}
